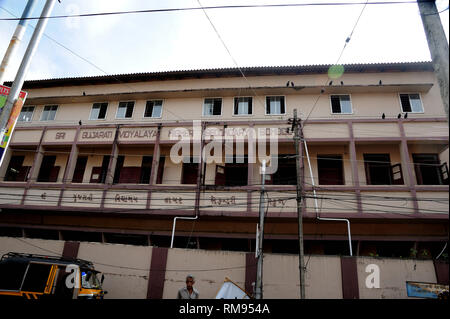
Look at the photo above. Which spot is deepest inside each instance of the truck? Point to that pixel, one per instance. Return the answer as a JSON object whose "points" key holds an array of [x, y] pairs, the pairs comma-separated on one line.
{"points": [[33, 276]]}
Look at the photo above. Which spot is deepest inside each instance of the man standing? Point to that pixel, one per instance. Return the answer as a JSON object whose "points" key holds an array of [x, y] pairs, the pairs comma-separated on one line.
{"points": [[188, 292]]}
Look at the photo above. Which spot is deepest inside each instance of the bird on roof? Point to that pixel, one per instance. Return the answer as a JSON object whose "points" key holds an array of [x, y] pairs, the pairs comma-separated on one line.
{"points": [[399, 115], [331, 82], [406, 115], [342, 82], [80, 122], [84, 93], [383, 116], [287, 84], [292, 84], [379, 83]]}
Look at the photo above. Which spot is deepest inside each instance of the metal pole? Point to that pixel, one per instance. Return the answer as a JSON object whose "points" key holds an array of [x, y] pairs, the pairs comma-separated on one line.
{"points": [[437, 43], [16, 38], [24, 66], [259, 269], [297, 141]]}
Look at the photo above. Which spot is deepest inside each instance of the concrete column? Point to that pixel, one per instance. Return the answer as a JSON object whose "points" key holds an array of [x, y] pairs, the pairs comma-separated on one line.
{"points": [[407, 166]]}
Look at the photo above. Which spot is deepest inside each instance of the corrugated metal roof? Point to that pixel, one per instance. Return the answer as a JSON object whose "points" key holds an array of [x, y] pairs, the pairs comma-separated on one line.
{"points": [[226, 72]]}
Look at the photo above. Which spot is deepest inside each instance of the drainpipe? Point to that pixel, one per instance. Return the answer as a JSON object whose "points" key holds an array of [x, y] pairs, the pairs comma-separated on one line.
{"points": [[199, 181], [316, 205]]}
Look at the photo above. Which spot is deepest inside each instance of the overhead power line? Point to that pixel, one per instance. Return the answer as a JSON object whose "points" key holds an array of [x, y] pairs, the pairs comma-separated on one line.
{"points": [[282, 5]]}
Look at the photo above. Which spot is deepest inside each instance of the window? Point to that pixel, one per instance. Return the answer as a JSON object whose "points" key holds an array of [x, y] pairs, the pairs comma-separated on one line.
{"points": [[125, 110], [212, 107], [411, 103], [378, 169], [340, 104], [286, 173], [80, 167], [153, 109], [243, 106], [98, 111], [275, 105], [49, 113], [189, 173], [234, 173], [331, 169], [146, 169], [98, 174], [48, 171], [429, 171], [36, 277], [16, 172], [26, 114]]}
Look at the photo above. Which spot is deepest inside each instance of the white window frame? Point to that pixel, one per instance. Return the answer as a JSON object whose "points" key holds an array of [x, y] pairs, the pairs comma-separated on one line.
{"points": [[203, 107], [132, 113], [331, 104], [241, 115], [153, 117], [265, 105], [401, 106], [106, 114], [43, 110], [32, 114]]}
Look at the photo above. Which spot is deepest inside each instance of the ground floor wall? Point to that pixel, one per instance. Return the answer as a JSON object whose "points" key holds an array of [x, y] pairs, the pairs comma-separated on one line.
{"points": [[140, 272]]}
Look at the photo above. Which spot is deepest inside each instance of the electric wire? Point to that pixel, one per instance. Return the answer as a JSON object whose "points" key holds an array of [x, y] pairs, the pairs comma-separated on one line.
{"points": [[213, 7]]}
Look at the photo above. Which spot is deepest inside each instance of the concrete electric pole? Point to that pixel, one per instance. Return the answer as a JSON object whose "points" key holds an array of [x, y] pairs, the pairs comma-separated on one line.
{"points": [[15, 39], [23, 69], [296, 127], [437, 43], [260, 234]]}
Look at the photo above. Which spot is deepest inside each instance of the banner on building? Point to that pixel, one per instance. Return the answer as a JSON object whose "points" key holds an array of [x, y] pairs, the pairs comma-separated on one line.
{"points": [[425, 290], [230, 290], [17, 107]]}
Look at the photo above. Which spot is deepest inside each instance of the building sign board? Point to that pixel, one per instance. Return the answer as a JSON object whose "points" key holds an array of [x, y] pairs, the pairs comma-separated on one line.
{"points": [[16, 109]]}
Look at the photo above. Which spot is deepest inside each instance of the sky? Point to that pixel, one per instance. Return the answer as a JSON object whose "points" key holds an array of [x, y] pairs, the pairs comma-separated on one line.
{"points": [[186, 40]]}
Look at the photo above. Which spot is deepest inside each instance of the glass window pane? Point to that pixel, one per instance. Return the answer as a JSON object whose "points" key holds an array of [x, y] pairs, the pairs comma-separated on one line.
{"points": [[212, 107], [102, 113], [416, 104], [346, 106], [276, 105], [26, 114], [129, 111], [406, 105], [95, 112], [49, 113], [157, 110], [121, 111]]}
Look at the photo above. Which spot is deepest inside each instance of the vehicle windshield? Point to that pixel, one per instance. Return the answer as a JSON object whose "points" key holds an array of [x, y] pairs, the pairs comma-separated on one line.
{"points": [[89, 280]]}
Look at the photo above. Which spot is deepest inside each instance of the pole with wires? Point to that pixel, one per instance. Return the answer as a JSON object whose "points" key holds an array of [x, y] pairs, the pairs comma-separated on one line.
{"points": [[296, 128], [260, 235], [13, 96], [16, 39]]}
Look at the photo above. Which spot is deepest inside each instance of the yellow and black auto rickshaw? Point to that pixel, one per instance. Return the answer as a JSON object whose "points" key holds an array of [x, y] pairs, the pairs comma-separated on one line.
{"points": [[34, 276]]}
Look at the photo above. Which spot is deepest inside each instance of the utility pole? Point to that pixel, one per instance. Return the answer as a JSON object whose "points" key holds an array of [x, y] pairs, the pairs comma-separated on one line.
{"points": [[298, 135], [16, 38], [21, 73], [20, 77], [437, 43], [260, 233]]}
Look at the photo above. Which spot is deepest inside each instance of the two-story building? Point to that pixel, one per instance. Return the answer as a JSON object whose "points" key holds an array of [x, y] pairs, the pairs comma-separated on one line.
{"points": [[94, 159]]}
